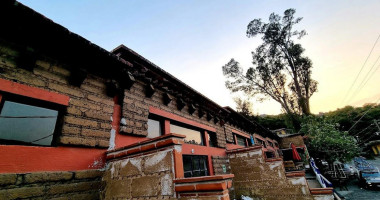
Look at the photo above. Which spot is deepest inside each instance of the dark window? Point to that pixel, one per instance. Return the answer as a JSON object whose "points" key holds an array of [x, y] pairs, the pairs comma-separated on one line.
{"points": [[192, 136], [26, 123], [270, 154], [212, 139], [154, 128], [195, 166], [241, 140], [270, 144]]}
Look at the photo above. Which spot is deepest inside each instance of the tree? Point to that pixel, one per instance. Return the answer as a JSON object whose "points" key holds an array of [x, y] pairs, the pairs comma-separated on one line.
{"points": [[327, 142], [281, 71], [243, 107]]}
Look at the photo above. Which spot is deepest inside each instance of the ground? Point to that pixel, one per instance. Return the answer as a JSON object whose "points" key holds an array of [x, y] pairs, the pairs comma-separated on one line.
{"points": [[356, 193]]}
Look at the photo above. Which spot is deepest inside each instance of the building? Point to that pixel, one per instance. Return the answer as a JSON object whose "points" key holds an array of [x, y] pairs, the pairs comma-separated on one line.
{"points": [[79, 122]]}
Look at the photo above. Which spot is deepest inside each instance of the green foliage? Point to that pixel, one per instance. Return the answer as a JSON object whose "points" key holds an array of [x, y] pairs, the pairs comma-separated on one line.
{"points": [[281, 71], [364, 128], [327, 142]]}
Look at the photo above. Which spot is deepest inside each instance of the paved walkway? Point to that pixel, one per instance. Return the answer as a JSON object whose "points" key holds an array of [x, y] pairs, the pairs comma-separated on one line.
{"points": [[356, 193]]}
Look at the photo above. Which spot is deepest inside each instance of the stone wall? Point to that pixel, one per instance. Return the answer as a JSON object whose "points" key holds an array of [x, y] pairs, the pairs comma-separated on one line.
{"points": [[142, 171], [296, 140], [87, 119], [51, 185], [259, 178]]}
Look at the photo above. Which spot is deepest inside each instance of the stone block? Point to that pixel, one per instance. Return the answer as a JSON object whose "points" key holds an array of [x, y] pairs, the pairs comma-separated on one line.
{"points": [[146, 186], [66, 89], [21, 193], [47, 176], [88, 174], [73, 187], [8, 179], [118, 189], [80, 121], [158, 162]]}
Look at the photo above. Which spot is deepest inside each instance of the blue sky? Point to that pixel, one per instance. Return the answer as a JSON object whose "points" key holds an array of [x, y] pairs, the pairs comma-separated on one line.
{"points": [[193, 39]]}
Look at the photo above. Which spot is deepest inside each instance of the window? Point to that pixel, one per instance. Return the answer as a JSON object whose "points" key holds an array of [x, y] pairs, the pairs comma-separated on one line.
{"points": [[270, 154], [27, 123], [240, 140], [154, 128], [212, 141], [270, 144], [192, 136], [195, 166], [261, 142]]}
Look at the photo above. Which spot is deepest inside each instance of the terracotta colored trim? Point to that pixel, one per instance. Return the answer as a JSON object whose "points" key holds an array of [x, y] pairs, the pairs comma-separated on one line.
{"points": [[273, 159], [202, 150], [204, 178], [240, 133], [174, 135], [295, 174], [36, 93], [174, 117], [0, 97], [144, 147], [178, 164], [243, 149], [22, 159], [166, 127], [210, 166], [318, 191], [233, 146]]}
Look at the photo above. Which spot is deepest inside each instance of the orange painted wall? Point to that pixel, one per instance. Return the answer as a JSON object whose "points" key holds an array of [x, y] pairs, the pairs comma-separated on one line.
{"points": [[21, 159]]}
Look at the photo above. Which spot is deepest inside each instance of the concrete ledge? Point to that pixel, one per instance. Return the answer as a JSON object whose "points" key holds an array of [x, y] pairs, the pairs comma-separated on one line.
{"points": [[205, 183], [273, 159], [318, 191], [295, 174], [243, 149], [147, 145]]}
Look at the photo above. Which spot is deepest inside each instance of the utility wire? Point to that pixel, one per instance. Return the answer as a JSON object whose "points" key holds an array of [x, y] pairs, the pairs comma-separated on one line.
{"points": [[364, 114], [362, 130], [361, 69], [367, 77], [22, 117]]}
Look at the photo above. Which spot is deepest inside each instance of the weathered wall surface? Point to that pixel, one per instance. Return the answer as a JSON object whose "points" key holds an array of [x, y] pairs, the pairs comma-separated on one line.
{"points": [[51, 185], [141, 177], [296, 140], [257, 178], [221, 165], [88, 117]]}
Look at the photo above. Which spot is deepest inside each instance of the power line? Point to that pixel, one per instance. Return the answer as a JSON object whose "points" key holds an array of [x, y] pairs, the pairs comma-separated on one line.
{"points": [[367, 77], [361, 69], [364, 114]]}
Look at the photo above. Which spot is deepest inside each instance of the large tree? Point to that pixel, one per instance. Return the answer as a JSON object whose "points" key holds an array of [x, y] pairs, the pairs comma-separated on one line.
{"points": [[325, 141], [281, 71]]}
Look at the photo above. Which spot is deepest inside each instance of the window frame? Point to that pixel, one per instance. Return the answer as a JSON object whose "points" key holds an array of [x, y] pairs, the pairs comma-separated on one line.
{"points": [[206, 170], [32, 96], [161, 122]]}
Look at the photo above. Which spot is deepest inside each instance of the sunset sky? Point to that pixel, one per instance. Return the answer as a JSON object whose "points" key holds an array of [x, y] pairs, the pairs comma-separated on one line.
{"points": [[193, 39]]}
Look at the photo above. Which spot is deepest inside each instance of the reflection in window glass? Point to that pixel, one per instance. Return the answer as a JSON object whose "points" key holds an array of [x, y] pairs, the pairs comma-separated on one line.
{"points": [[30, 124], [154, 128], [192, 136], [195, 166], [241, 140]]}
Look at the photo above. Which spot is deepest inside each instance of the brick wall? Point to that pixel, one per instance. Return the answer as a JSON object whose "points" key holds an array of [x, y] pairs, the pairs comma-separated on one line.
{"points": [[51, 185], [136, 112], [258, 178], [88, 116], [296, 140], [220, 163]]}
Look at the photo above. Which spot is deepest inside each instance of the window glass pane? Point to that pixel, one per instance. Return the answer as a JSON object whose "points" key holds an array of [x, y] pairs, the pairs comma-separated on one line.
{"points": [[154, 128], [197, 164], [192, 136], [212, 140], [240, 140], [26, 123]]}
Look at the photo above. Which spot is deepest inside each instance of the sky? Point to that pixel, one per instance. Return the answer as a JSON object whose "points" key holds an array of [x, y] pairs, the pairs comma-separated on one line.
{"points": [[193, 39]]}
